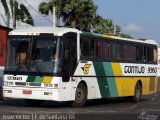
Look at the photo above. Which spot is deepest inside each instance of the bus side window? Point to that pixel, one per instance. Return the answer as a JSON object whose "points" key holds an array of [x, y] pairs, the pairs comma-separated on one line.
{"points": [[106, 50], [126, 52], [84, 47], [151, 55], [155, 57]]}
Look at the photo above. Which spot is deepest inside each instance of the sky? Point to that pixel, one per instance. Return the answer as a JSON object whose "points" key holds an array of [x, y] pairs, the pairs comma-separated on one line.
{"points": [[138, 18]]}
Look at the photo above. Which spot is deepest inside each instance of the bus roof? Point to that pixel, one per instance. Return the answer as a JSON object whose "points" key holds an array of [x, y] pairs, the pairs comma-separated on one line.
{"points": [[60, 31], [148, 41], [57, 31]]}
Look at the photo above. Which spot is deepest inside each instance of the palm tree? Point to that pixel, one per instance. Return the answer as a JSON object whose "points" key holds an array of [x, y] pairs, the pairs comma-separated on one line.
{"points": [[5, 6], [104, 25], [47, 7], [80, 13], [22, 13], [25, 16], [126, 36], [75, 13]]}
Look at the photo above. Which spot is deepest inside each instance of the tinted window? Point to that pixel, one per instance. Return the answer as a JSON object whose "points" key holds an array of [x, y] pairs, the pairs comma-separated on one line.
{"points": [[85, 47]]}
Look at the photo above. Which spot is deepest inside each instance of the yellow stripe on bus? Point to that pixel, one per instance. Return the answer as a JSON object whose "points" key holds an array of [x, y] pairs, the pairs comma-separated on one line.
{"points": [[124, 85], [116, 67], [118, 80], [47, 79]]}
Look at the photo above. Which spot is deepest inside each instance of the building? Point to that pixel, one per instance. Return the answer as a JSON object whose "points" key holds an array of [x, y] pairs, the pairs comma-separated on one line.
{"points": [[3, 38]]}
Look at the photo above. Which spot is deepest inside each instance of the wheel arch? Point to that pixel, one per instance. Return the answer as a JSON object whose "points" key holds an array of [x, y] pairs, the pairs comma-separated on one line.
{"points": [[140, 82], [85, 84], [75, 102]]}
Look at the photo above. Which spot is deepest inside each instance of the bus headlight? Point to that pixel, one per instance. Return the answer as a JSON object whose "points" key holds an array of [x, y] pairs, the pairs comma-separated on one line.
{"points": [[8, 83], [7, 91], [48, 93], [55, 85], [48, 85]]}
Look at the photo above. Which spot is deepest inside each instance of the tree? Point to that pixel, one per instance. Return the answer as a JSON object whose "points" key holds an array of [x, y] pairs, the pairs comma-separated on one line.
{"points": [[80, 14], [47, 7], [22, 13], [102, 25], [125, 36], [6, 9], [75, 13], [25, 16]]}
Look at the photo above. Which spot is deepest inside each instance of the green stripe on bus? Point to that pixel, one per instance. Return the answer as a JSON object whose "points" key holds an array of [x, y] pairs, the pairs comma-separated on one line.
{"points": [[102, 81], [108, 68], [38, 79], [31, 78], [112, 87], [111, 81]]}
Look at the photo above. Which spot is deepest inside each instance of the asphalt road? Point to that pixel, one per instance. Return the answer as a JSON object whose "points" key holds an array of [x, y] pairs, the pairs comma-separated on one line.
{"points": [[109, 109]]}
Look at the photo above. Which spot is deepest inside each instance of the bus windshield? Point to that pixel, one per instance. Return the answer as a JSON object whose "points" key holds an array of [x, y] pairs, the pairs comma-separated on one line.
{"points": [[34, 55]]}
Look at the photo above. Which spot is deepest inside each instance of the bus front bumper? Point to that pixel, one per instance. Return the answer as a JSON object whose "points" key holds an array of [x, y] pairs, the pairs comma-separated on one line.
{"points": [[31, 93]]}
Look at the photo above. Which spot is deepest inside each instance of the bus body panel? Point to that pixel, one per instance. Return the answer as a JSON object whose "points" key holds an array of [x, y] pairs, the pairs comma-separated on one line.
{"points": [[114, 80], [103, 80]]}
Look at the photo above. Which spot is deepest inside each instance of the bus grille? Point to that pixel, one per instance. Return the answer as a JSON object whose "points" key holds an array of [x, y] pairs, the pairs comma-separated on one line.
{"points": [[20, 83], [28, 84], [35, 84]]}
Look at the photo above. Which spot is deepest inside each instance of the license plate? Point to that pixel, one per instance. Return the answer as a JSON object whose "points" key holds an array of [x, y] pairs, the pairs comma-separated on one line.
{"points": [[27, 92]]}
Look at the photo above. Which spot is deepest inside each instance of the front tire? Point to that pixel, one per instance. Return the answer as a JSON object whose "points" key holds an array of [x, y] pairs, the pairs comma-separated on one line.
{"points": [[80, 96], [137, 93]]}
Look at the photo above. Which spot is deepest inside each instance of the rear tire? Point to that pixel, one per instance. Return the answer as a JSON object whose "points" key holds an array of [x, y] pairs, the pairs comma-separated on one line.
{"points": [[80, 96], [137, 93], [33, 103]]}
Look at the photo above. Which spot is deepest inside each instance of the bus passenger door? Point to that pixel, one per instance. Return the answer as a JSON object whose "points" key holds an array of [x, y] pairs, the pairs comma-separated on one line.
{"points": [[69, 56], [65, 63]]}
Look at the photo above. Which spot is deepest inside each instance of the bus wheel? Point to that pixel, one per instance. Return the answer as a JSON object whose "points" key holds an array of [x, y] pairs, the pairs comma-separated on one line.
{"points": [[33, 103], [80, 96], [137, 93]]}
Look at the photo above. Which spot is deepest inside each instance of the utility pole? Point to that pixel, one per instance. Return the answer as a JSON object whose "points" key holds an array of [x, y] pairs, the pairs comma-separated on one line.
{"points": [[14, 15], [115, 30], [54, 17], [8, 20]]}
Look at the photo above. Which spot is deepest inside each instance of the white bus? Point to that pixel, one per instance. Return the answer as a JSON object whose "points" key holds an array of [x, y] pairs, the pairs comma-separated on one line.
{"points": [[65, 64]]}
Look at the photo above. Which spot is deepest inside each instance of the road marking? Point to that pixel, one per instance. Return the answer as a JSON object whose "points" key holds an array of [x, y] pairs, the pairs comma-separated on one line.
{"points": [[132, 107]]}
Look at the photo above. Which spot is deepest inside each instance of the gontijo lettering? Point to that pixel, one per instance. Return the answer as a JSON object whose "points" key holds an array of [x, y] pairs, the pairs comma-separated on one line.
{"points": [[134, 69]]}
